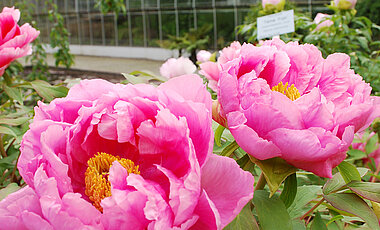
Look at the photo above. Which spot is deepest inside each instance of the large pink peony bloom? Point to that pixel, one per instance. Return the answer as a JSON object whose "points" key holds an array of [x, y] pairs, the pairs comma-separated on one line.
{"points": [[111, 156], [285, 100], [322, 21], [14, 40], [211, 69], [177, 67]]}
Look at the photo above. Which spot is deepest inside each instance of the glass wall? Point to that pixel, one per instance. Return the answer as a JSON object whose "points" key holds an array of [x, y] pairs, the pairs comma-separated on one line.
{"points": [[148, 22]]}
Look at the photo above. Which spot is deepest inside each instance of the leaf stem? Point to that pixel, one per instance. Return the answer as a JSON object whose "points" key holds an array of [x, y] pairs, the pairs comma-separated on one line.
{"points": [[373, 179], [261, 182], [312, 209], [2, 150]]}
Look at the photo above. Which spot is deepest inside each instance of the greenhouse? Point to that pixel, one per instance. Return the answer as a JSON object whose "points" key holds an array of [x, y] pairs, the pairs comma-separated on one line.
{"points": [[190, 114]]}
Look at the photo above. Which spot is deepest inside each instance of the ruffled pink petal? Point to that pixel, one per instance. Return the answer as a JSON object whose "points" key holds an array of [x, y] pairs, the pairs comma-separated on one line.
{"points": [[239, 192], [208, 214], [314, 112], [249, 140], [312, 149], [210, 70]]}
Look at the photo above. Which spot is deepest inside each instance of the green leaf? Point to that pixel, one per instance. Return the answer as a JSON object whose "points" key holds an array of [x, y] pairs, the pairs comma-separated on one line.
{"points": [[218, 135], [318, 223], [372, 145], [14, 121], [11, 188], [14, 93], [368, 190], [349, 172], [245, 220], [298, 224], [271, 212], [355, 205], [47, 91], [230, 149], [290, 190], [6, 130], [246, 164], [356, 154], [305, 194], [275, 170], [337, 181]]}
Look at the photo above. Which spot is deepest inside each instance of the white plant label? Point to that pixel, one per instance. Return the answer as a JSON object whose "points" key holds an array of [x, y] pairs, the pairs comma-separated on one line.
{"points": [[275, 24]]}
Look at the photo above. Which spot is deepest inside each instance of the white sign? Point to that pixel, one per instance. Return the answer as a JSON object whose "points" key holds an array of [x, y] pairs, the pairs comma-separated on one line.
{"points": [[275, 24]]}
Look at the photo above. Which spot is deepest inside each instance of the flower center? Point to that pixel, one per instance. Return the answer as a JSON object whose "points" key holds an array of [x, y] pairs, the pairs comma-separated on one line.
{"points": [[96, 177], [292, 92]]}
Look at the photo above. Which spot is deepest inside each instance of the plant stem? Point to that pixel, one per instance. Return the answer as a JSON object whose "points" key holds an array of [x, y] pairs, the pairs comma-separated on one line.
{"points": [[2, 150], [261, 183], [373, 179], [312, 209]]}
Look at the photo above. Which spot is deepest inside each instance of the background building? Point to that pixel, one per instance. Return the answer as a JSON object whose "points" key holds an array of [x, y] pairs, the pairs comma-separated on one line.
{"points": [[147, 22]]}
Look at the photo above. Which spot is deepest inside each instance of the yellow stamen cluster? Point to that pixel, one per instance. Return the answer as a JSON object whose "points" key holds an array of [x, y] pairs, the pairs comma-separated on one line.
{"points": [[292, 92], [96, 177]]}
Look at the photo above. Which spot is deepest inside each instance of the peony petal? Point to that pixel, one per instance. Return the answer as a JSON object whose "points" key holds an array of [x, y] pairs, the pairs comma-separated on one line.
{"points": [[239, 192]]}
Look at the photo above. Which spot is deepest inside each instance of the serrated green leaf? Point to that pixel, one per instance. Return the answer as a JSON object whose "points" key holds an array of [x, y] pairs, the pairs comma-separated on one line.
{"points": [[337, 181], [271, 212], [318, 223], [275, 170], [290, 190], [349, 172], [353, 204], [368, 190], [244, 221]]}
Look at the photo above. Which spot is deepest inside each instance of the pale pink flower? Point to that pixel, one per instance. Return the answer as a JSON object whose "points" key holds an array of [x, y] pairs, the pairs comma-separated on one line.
{"points": [[285, 100], [322, 21], [345, 4], [211, 69], [177, 67], [203, 56], [14, 40], [150, 148]]}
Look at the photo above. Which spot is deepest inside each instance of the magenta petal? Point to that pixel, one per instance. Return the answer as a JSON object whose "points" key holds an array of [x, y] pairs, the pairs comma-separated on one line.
{"points": [[311, 149], [221, 172], [249, 140], [181, 85], [209, 217]]}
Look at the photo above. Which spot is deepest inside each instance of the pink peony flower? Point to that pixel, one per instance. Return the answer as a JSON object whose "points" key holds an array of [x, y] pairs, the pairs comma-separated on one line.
{"points": [[361, 146], [203, 56], [345, 4], [112, 156], [211, 70], [14, 40], [177, 67], [285, 100], [322, 21], [270, 5]]}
